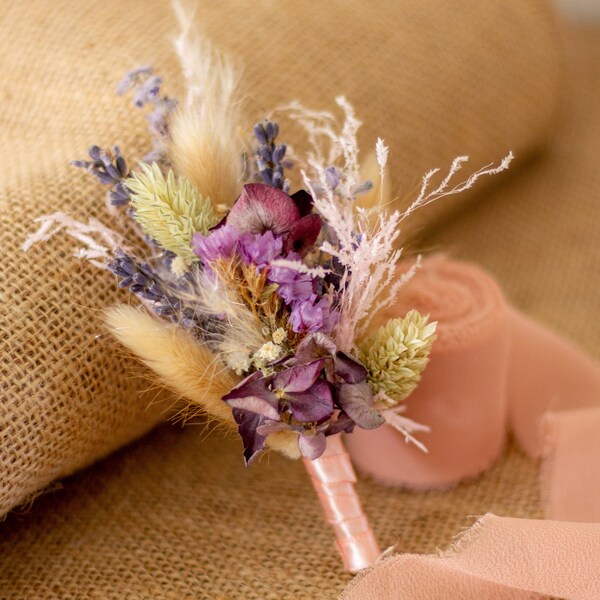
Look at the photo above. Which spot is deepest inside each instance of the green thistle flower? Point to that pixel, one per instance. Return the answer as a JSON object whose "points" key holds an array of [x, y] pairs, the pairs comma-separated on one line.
{"points": [[169, 210], [396, 354]]}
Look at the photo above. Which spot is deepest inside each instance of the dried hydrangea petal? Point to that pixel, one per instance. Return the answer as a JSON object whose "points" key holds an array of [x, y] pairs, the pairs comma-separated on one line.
{"points": [[261, 208], [312, 446], [298, 379], [313, 405], [356, 400]]}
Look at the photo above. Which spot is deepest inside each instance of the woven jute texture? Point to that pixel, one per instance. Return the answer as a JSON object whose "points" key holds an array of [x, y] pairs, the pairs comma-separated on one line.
{"points": [[435, 78], [539, 232], [177, 516]]}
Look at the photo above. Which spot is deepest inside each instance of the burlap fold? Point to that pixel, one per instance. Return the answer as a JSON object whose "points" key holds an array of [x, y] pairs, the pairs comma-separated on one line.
{"points": [[177, 516], [436, 79]]}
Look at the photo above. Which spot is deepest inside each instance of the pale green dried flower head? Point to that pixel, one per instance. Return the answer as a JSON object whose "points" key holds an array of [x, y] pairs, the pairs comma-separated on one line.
{"points": [[396, 354], [170, 210]]}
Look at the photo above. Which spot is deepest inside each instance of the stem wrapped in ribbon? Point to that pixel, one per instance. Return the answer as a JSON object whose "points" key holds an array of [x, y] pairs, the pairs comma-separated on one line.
{"points": [[333, 478]]}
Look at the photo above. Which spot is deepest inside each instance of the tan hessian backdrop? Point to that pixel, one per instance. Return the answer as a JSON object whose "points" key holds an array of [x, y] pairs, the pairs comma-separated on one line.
{"points": [[175, 515]]}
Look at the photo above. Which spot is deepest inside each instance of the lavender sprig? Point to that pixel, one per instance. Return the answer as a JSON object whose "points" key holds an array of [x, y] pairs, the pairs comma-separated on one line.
{"points": [[146, 91], [270, 156], [110, 168], [140, 279]]}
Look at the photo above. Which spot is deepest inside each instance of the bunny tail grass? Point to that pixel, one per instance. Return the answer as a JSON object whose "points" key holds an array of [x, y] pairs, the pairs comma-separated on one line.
{"points": [[205, 145], [184, 365]]}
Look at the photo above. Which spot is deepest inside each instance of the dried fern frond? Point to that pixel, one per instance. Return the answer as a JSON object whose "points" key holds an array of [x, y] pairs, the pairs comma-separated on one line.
{"points": [[396, 354], [185, 365], [205, 145], [169, 210]]}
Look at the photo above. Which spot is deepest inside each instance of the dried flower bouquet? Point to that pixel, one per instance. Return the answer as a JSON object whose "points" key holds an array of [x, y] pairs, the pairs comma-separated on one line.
{"points": [[257, 300]]}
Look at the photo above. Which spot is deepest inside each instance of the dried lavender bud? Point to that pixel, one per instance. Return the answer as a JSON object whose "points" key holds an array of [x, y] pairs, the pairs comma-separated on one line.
{"points": [[266, 176], [278, 153], [146, 91], [333, 177], [265, 154], [260, 134], [270, 157], [272, 131], [133, 78], [277, 180], [144, 282], [110, 168], [119, 195], [363, 188]]}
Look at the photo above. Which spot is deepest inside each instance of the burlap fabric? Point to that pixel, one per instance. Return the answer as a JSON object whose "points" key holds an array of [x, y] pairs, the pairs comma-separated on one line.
{"points": [[539, 232], [174, 516], [435, 78]]}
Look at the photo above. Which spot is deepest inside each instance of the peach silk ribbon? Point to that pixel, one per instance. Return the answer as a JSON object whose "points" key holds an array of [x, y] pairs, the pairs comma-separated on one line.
{"points": [[333, 478], [492, 368]]}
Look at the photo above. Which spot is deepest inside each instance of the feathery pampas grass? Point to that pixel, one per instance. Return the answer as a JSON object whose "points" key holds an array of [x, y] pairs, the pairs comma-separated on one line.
{"points": [[97, 243], [205, 146], [365, 241], [185, 365]]}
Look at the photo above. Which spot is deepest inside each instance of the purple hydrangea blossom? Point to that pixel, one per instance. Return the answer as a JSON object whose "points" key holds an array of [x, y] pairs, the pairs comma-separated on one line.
{"points": [[312, 315], [311, 441], [221, 242], [319, 392], [260, 249], [356, 399], [297, 392], [293, 285]]}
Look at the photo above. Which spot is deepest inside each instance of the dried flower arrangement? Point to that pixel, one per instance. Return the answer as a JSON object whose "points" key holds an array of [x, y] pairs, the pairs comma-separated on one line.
{"points": [[257, 301]]}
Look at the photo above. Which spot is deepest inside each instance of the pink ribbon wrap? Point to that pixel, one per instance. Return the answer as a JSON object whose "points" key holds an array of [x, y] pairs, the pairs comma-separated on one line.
{"points": [[548, 392], [333, 478], [462, 395]]}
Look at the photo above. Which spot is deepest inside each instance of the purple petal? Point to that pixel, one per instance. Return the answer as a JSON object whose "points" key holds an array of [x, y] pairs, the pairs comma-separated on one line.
{"points": [[303, 235], [349, 369], [261, 207], [260, 249], [220, 243], [248, 424], [269, 427], [300, 378], [342, 423], [312, 446], [356, 399], [313, 405], [293, 285], [255, 405], [252, 394], [308, 315], [304, 202], [313, 346]]}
